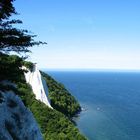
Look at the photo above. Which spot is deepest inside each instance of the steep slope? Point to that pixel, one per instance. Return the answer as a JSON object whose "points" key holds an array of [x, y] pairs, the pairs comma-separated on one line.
{"points": [[16, 121], [61, 99], [53, 124], [39, 88]]}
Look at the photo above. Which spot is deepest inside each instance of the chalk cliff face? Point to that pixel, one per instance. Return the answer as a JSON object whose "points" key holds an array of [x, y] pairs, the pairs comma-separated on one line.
{"points": [[38, 85], [16, 121]]}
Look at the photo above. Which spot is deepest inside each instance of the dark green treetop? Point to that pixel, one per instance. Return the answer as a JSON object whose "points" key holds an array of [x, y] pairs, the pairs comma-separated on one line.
{"points": [[6, 9]]}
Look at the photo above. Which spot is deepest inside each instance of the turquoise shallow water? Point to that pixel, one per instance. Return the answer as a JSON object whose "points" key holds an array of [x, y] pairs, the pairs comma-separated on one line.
{"points": [[111, 101]]}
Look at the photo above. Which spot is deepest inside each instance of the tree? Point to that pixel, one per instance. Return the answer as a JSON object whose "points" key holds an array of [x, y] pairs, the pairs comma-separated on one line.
{"points": [[11, 38], [6, 9]]}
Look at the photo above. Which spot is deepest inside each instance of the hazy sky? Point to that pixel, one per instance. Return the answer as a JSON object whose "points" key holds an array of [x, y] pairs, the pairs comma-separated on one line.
{"points": [[84, 34]]}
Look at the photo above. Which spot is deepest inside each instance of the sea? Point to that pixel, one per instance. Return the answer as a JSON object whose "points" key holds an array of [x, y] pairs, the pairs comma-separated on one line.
{"points": [[110, 102]]}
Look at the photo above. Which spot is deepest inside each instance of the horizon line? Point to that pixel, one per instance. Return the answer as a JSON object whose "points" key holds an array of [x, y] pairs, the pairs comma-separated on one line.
{"points": [[91, 69]]}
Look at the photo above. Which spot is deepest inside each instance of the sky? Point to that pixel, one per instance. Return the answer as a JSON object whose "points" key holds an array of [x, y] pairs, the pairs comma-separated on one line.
{"points": [[83, 34]]}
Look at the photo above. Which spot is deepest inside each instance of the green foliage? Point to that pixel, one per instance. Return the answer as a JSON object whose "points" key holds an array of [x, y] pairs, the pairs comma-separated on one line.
{"points": [[60, 97], [53, 124], [28, 65], [10, 67]]}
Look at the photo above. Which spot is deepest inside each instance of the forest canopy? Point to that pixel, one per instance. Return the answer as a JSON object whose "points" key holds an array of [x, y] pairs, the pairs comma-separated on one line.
{"points": [[61, 99]]}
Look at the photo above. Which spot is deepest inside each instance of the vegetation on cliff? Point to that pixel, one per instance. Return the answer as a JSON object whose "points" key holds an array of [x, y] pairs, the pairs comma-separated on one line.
{"points": [[53, 124], [60, 97]]}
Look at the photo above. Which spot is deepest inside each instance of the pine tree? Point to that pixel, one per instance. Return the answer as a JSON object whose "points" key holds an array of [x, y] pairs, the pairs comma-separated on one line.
{"points": [[11, 38]]}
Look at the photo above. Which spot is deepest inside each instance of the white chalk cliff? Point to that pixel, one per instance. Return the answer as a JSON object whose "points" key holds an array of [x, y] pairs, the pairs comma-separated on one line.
{"points": [[38, 85]]}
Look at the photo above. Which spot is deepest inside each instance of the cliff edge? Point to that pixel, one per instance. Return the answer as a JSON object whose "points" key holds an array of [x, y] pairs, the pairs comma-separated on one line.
{"points": [[36, 81]]}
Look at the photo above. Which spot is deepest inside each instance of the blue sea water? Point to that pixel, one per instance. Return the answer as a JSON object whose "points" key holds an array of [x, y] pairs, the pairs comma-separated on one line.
{"points": [[111, 102]]}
